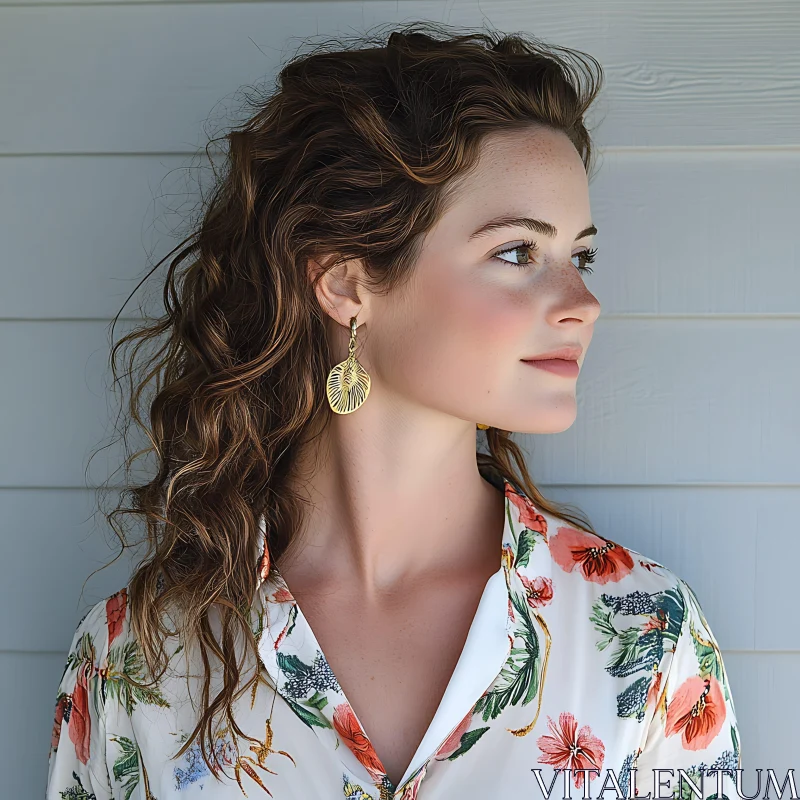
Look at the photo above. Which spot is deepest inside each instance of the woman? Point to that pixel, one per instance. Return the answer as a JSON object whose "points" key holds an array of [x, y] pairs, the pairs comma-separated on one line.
{"points": [[341, 598]]}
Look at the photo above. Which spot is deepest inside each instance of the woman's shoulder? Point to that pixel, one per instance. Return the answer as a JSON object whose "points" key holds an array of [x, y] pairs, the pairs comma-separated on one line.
{"points": [[101, 626], [602, 564], [106, 649], [104, 641], [593, 555], [620, 578]]}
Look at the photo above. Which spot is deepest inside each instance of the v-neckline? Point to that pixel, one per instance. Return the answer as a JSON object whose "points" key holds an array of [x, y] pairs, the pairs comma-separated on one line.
{"points": [[306, 681]]}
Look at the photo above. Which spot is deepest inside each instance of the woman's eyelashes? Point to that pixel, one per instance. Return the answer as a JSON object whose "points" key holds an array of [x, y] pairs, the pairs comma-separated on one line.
{"points": [[585, 256]]}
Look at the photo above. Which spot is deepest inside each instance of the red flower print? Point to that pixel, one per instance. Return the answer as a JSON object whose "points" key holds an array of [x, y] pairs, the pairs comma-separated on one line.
{"points": [[283, 633], [658, 622], [412, 789], [697, 711], [453, 741], [282, 595], [346, 725], [654, 691], [538, 591], [116, 606], [511, 610], [61, 704], [528, 515], [264, 565], [80, 724], [566, 750], [600, 560]]}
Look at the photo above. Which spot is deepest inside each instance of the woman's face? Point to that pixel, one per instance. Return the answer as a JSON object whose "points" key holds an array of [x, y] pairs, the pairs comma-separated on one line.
{"points": [[454, 338]]}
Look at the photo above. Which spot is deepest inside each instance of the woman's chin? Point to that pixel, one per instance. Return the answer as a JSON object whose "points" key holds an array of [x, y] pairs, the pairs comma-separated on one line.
{"points": [[553, 420]]}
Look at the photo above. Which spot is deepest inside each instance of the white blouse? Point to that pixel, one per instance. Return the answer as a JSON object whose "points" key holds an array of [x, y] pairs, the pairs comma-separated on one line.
{"points": [[585, 661]]}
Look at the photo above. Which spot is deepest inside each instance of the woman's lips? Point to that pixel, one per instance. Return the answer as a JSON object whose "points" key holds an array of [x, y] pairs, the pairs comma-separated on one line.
{"points": [[560, 366]]}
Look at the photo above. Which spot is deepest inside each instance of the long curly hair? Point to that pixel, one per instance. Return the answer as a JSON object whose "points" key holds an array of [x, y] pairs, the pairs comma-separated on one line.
{"points": [[356, 152]]}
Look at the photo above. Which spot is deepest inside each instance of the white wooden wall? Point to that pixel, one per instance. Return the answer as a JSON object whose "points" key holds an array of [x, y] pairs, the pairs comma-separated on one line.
{"points": [[687, 439]]}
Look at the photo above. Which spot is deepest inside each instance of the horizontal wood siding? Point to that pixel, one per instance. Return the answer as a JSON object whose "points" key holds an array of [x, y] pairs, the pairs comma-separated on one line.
{"points": [[686, 443]]}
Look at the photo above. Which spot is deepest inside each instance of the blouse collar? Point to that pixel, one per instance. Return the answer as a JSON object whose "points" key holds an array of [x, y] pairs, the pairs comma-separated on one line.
{"points": [[295, 664]]}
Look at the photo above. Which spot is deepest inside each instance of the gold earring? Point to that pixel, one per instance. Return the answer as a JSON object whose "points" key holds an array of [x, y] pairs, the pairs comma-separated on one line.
{"points": [[348, 382], [482, 427]]}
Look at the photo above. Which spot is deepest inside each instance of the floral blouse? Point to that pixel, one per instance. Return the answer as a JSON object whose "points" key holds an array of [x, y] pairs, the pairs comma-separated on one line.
{"points": [[585, 662]]}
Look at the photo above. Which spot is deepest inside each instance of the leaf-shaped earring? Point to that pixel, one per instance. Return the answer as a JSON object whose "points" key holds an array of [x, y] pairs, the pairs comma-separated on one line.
{"points": [[348, 382], [482, 427]]}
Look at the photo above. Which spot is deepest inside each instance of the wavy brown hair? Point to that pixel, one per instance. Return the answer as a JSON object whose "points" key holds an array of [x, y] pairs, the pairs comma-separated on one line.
{"points": [[357, 153]]}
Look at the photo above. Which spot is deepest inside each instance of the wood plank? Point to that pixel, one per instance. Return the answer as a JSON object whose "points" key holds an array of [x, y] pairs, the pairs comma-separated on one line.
{"points": [[145, 77], [721, 541], [27, 707], [82, 231], [53, 541], [679, 232], [659, 401], [682, 401], [767, 711]]}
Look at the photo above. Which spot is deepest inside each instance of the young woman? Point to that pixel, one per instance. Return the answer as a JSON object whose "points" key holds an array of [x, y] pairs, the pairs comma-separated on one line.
{"points": [[342, 597]]}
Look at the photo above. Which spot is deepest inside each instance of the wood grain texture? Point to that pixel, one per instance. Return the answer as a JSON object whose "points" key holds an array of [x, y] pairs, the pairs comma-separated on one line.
{"points": [[60, 538], [767, 714], [145, 77], [659, 401], [679, 233], [719, 540], [736, 546], [27, 707], [685, 443]]}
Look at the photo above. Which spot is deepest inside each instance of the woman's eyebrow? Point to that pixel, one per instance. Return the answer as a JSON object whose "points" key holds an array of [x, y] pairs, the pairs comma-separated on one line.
{"points": [[537, 225]]}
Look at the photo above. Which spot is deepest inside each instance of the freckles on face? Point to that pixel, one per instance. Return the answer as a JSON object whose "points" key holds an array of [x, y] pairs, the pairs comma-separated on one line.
{"points": [[454, 337], [480, 324], [457, 335]]}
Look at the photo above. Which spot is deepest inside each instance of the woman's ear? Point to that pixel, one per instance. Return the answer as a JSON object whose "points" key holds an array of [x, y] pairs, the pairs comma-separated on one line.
{"points": [[339, 290]]}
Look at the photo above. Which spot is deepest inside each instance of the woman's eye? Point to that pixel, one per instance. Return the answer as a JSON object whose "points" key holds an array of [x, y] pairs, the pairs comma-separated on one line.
{"points": [[586, 257], [530, 247]]}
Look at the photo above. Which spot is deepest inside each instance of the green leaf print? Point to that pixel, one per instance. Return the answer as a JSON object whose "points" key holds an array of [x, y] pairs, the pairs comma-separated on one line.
{"points": [[639, 647], [84, 656], [681, 790], [292, 619], [706, 656], [309, 717], [130, 657], [673, 605], [292, 665], [519, 678], [525, 545], [601, 616], [84, 651], [467, 741], [317, 700], [706, 649], [628, 651], [705, 646], [126, 765]]}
